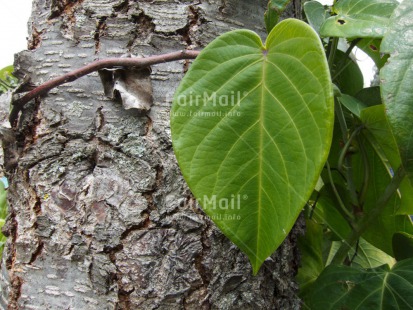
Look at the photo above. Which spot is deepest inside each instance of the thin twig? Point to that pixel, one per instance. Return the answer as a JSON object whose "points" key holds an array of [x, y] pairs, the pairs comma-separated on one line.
{"points": [[370, 217], [95, 66]]}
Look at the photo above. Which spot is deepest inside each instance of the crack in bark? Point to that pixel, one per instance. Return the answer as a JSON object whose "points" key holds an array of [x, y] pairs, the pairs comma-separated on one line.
{"points": [[10, 230], [35, 40], [99, 119], [144, 28], [222, 8], [63, 7], [37, 252], [99, 32], [37, 208], [148, 126], [122, 7], [15, 293]]}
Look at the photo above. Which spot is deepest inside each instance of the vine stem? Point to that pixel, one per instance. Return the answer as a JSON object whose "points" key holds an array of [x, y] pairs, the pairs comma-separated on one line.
{"points": [[346, 147], [349, 215], [370, 217], [347, 160], [95, 66], [332, 52]]}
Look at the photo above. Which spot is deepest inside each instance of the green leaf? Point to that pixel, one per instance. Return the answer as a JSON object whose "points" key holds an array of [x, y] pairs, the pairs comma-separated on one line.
{"points": [[397, 79], [7, 79], [368, 256], [3, 201], [375, 120], [311, 250], [316, 14], [359, 19], [354, 105], [381, 288], [347, 74], [384, 143], [402, 245], [251, 130], [370, 96], [3, 214], [363, 255], [274, 10], [389, 221], [372, 48], [326, 211], [6, 72]]}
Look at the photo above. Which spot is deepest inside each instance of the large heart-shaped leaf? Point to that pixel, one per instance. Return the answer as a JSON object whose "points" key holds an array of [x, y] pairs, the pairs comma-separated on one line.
{"points": [[251, 129], [397, 79], [359, 19], [381, 288]]}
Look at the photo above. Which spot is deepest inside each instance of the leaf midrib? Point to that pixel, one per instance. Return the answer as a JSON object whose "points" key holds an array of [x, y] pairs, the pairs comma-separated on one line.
{"points": [[261, 145]]}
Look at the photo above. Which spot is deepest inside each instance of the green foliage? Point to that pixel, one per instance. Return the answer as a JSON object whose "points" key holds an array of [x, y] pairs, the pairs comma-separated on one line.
{"points": [[347, 74], [354, 105], [359, 19], [316, 14], [383, 141], [397, 79], [271, 146], [343, 287], [402, 246], [372, 48], [274, 10], [256, 110], [3, 213], [7, 80]]}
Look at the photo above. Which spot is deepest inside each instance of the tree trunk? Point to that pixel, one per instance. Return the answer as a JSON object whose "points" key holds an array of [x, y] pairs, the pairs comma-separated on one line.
{"points": [[100, 216]]}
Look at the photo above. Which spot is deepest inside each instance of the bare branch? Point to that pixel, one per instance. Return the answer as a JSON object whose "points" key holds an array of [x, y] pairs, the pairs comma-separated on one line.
{"points": [[92, 67]]}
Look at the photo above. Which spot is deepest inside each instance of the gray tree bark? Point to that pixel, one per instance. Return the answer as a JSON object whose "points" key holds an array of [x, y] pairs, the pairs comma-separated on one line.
{"points": [[100, 216]]}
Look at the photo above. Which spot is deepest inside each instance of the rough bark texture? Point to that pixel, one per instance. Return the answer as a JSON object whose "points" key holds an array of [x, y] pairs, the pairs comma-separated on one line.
{"points": [[100, 217]]}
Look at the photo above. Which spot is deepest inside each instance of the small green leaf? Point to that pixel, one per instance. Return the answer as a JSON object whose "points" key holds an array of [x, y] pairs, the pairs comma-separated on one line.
{"points": [[6, 72], [274, 10], [397, 79], [370, 96], [375, 120], [368, 256], [311, 250], [381, 288], [359, 19], [251, 130], [316, 14], [7, 79], [3, 201], [402, 245], [354, 105], [326, 211], [372, 48]]}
